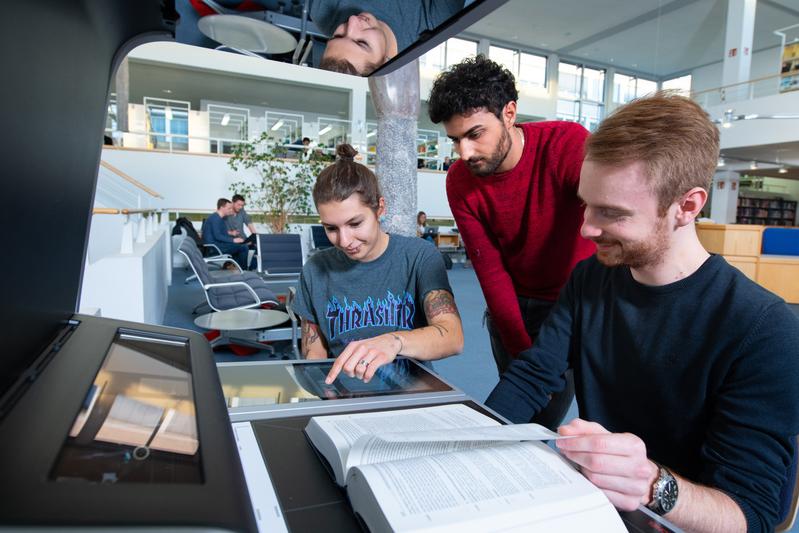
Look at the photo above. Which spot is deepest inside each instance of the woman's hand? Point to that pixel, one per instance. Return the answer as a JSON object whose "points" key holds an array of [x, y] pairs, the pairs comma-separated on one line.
{"points": [[362, 358]]}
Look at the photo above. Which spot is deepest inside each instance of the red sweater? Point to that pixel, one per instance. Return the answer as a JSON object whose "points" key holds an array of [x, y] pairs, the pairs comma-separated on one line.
{"points": [[521, 228]]}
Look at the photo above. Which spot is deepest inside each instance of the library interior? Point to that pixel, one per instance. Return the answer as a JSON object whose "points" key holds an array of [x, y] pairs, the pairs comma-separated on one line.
{"points": [[401, 265]]}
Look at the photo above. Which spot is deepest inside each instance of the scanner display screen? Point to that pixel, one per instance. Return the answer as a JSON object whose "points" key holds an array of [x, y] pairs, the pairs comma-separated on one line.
{"points": [[260, 385], [137, 422]]}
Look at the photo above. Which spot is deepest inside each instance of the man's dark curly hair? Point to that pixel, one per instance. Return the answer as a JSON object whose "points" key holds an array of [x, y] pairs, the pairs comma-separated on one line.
{"points": [[473, 84]]}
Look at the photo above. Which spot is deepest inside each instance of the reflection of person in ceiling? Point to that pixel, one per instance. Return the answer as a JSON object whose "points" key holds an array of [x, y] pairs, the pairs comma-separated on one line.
{"points": [[361, 41]]}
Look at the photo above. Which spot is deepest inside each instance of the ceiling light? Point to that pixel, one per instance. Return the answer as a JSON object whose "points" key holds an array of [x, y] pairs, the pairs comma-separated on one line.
{"points": [[278, 125], [167, 91], [720, 162], [783, 170], [325, 129], [168, 113], [753, 165], [371, 134], [225, 119]]}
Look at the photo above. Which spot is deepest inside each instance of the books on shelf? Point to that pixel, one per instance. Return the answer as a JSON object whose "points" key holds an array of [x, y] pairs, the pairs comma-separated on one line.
{"points": [[448, 468]]}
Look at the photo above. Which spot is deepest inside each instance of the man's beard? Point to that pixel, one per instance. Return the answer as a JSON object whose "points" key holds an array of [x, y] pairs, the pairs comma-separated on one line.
{"points": [[636, 254], [487, 166]]}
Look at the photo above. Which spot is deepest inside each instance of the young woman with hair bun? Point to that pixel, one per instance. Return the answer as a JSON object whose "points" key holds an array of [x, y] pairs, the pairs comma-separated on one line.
{"points": [[374, 295]]}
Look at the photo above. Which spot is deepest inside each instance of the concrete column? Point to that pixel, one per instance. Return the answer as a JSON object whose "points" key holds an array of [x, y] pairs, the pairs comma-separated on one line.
{"points": [[724, 202], [552, 75], [396, 100], [358, 120], [610, 105], [483, 46], [738, 46], [122, 84]]}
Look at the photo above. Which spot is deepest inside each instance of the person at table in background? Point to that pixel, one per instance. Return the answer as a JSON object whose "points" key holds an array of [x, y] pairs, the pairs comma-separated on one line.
{"points": [[366, 34], [421, 226], [374, 295], [686, 371], [447, 163], [215, 231], [238, 219], [513, 194]]}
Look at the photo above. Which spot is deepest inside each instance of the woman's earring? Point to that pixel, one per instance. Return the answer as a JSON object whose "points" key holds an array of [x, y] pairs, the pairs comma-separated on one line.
{"points": [[381, 219]]}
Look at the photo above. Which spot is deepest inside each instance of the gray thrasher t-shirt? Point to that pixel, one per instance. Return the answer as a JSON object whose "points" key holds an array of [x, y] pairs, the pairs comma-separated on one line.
{"points": [[351, 300]]}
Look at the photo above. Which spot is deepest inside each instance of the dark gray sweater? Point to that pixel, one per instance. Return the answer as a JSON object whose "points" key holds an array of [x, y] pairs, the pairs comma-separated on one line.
{"points": [[705, 370]]}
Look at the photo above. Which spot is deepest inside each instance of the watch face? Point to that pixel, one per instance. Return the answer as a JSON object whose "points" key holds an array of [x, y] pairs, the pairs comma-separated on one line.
{"points": [[668, 495]]}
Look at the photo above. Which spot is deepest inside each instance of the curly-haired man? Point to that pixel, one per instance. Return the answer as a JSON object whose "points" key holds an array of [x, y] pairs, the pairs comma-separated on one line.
{"points": [[513, 193]]}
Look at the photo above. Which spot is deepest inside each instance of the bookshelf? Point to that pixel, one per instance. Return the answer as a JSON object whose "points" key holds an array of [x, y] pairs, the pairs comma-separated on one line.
{"points": [[766, 211]]}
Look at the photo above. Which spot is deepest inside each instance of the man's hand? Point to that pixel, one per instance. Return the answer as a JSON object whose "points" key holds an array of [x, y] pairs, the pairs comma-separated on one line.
{"points": [[614, 462], [238, 240], [362, 358]]}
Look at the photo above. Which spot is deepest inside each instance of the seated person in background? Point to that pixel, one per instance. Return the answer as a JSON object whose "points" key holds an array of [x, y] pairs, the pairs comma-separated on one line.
{"points": [[421, 223], [362, 41], [215, 232], [374, 295], [686, 372], [237, 219], [447, 163]]}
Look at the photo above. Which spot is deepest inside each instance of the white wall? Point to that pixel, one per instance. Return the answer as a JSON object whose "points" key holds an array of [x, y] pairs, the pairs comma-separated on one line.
{"points": [[192, 181], [130, 286], [764, 63]]}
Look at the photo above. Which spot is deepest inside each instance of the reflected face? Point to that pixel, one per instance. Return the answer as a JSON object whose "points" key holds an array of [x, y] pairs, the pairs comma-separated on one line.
{"points": [[364, 41], [481, 139], [621, 215], [238, 205], [353, 227]]}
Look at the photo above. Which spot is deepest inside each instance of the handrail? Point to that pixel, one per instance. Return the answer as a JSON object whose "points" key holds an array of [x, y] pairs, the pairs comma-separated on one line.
{"points": [[717, 89], [113, 211], [130, 180], [138, 211]]}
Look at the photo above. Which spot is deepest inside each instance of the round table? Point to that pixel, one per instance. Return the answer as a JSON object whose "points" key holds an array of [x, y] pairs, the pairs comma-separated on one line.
{"points": [[240, 319]]}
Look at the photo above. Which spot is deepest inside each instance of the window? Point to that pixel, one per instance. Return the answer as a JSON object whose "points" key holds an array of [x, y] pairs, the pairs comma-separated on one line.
{"points": [[506, 57], [529, 70], [532, 70], [569, 77], [167, 124], [227, 126], [459, 49], [627, 88], [449, 53], [581, 94], [682, 84]]}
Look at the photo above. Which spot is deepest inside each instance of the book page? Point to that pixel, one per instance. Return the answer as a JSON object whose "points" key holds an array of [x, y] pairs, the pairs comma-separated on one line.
{"points": [[342, 431], [516, 432], [484, 489], [396, 445], [130, 422]]}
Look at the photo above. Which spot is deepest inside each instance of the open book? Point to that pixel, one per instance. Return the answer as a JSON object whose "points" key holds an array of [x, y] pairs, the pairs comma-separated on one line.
{"points": [[449, 468]]}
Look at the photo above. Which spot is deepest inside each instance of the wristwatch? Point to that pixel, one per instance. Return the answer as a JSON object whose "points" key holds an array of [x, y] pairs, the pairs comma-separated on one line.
{"points": [[664, 492]]}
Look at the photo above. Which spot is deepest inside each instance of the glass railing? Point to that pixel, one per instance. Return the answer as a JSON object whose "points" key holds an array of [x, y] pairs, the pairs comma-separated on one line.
{"points": [[739, 92]]}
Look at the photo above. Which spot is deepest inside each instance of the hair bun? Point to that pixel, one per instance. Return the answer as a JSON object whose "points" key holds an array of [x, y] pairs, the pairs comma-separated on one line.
{"points": [[346, 152]]}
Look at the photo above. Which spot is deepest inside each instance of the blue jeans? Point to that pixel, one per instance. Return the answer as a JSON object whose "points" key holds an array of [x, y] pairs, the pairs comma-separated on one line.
{"points": [[534, 312]]}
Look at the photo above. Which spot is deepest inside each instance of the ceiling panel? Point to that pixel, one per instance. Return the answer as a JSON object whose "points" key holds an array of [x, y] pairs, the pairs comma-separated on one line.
{"points": [[658, 38]]}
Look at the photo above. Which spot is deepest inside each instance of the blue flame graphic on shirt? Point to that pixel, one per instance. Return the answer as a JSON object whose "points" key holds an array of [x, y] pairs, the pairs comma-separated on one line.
{"points": [[394, 312]]}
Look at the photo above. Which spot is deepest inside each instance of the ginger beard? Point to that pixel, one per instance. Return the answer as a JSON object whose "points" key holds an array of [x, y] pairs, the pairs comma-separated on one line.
{"points": [[642, 253]]}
